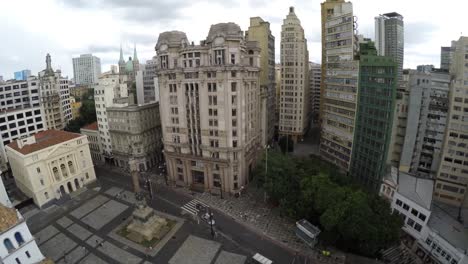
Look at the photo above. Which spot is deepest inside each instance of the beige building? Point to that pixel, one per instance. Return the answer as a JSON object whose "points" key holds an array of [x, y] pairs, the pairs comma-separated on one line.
{"points": [[294, 98], [259, 31], [452, 176], [75, 107], [135, 131], [340, 83], [54, 94], [210, 108], [51, 164], [315, 77], [95, 145]]}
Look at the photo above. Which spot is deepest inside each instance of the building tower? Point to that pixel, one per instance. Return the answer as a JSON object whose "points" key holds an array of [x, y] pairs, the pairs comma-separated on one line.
{"points": [[86, 69], [210, 108], [55, 97], [452, 176], [390, 38], [339, 83], [259, 31], [294, 98], [121, 61], [374, 116]]}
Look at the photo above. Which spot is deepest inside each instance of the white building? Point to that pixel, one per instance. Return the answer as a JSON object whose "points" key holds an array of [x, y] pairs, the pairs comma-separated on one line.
{"points": [[315, 77], [389, 37], [55, 97], [86, 69], [432, 233], [294, 97], [50, 164]]}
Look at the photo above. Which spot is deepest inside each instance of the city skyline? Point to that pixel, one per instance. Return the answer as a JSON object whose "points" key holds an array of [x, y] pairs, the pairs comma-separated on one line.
{"points": [[140, 22]]}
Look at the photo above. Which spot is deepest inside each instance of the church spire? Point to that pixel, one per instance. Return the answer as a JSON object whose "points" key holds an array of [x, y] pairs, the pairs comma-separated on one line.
{"points": [[135, 58]]}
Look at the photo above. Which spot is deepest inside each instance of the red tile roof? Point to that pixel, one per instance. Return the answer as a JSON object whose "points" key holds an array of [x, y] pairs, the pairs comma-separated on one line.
{"points": [[44, 140], [92, 126]]}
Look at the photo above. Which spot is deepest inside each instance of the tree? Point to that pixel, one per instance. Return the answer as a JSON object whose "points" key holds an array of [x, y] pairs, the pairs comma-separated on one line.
{"points": [[286, 144], [87, 116]]}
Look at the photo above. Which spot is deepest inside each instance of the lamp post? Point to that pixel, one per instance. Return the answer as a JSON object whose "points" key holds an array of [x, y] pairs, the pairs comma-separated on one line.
{"points": [[266, 172]]}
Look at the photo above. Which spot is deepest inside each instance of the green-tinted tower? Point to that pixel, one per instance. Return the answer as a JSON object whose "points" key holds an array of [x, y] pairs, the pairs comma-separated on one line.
{"points": [[376, 103]]}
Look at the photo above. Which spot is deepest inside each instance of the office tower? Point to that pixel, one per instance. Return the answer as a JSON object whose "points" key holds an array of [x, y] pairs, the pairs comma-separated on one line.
{"points": [[22, 75], [315, 76], [150, 93], [390, 38], [294, 104], [110, 86], [259, 31], [138, 126], [426, 123], [373, 127], [339, 83], [452, 176], [86, 69], [446, 55], [20, 114], [210, 108], [55, 97]]}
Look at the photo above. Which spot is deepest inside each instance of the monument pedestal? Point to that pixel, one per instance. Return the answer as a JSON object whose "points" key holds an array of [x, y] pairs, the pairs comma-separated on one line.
{"points": [[146, 225]]}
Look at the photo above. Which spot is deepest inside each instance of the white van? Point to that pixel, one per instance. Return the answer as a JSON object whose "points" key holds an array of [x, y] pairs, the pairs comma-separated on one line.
{"points": [[259, 259]]}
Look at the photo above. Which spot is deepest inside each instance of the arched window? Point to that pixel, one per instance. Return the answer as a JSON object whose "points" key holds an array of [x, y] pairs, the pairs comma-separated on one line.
{"points": [[71, 167], [56, 173], [8, 245], [46, 194], [19, 238], [64, 170]]}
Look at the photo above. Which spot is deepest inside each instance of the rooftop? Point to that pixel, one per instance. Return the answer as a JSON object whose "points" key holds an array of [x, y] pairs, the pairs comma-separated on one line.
{"points": [[8, 217], [419, 190], [43, 140], [448, 227], [92, 126]]}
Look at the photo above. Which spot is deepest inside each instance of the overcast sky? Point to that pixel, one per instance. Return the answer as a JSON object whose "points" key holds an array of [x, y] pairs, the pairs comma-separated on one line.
{"points": [[67, 28]]}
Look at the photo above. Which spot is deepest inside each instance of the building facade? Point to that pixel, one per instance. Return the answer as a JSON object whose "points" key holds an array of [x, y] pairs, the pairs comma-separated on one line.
{"points": [[210, 108], [376, 100], [110, 86], [446, 56], [135, 132], [390, 38], [22, 75], [75, 107], [55, 97], [150, 93], [259, 31], [86, 69], [294, 98], [423, 138], [339, 89], [315, 78], [452, 176], [94, 139], [51, 164]]}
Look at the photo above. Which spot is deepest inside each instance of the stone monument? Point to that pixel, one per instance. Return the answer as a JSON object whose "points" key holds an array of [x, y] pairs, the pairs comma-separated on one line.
{"points": [[145, 225]]}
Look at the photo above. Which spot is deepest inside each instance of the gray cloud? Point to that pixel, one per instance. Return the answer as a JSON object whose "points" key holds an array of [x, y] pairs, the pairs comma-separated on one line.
{"points": [[103, 48], [419, 32], [140, 38]]}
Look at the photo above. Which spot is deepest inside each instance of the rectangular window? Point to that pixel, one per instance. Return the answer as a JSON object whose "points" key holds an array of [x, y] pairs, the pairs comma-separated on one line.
{"points": [[406, 207], [422, 217], [414, 212], [233, 86]]}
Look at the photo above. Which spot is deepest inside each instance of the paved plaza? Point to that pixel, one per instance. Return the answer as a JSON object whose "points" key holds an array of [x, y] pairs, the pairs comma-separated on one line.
{"points": [[85, 233]]}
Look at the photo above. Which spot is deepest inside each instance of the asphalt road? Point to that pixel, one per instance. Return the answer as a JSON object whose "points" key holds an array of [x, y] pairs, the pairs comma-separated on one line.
{"points": [[235, 234]]}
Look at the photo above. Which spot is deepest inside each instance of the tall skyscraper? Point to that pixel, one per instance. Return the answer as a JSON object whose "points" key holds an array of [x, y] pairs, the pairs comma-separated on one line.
{"points": [[446, 55], [339, 83], [390, 37], [210, 108], [22, 75], [149, 74], [55, 97], [294, 104], [373, 129], [452, 177], [315, 76], [86, 69], [427, 117], [259, 31]]}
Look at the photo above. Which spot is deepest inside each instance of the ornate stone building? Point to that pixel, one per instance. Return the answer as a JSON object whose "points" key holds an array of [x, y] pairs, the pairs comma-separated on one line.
{"points": [[210, 108]]}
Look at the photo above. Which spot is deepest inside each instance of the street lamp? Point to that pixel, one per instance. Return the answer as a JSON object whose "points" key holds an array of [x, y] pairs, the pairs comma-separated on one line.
{"points": [[266, 172]]}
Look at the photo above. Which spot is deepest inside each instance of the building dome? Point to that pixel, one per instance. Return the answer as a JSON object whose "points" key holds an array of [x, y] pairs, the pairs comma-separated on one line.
{"points": [[226, 30], [129, 65], [171, 38]]}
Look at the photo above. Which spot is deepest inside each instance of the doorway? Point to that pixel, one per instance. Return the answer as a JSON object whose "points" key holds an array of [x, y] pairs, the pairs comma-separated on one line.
{"points": [[70, 187], [77, 184]]}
